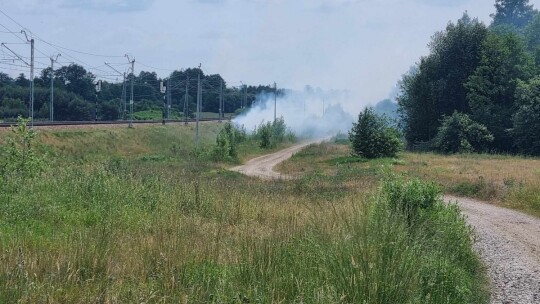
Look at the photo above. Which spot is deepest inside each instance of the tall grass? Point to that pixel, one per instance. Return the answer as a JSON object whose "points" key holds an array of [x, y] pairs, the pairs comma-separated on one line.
{"points": [[120, 230]]}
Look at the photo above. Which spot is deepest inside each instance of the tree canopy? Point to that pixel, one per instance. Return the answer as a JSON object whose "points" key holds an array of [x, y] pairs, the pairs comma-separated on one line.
{"points": [[485, 74], [75, 96]]}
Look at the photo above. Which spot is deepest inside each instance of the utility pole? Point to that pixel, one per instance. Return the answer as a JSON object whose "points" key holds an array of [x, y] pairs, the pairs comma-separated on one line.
{"points": [[186, 101], [98, 89], [31, 64], [124, 98], [31, 78], [242, 95], [245, 96], [199, 93], [169, 98], [31, 82], [163, 90], [51, 106], [131, 97], [220, 100], [275, 101]]}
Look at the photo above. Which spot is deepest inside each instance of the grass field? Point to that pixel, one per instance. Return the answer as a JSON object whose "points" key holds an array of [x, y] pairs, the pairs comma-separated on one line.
{"points": [[510, 181], [139, 215], [158, 114]]}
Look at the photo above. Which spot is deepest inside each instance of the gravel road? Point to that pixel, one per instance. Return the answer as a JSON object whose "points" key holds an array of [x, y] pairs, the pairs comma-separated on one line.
{"points": [[509, 244], [507, 241]]}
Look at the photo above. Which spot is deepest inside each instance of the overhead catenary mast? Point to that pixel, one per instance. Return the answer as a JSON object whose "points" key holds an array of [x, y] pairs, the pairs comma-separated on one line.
{"points": [[51, 106], [186, 100], [199, 97], [220, 100], [169, 98], [275, 101], [31, 64], [131, 97]]}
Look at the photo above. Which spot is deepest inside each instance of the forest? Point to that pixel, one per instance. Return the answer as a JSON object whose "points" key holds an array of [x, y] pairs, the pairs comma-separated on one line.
{"points": [[478, 90], [76, 98]]}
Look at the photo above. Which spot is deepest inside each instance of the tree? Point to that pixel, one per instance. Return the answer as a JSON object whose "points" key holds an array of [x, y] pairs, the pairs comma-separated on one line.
{"points": [[22, 81], [458, 133], [76, 79], [372, 137], [492, 87], [5, 79], [435, 87], [513, 12], [532, 33], [526, 120]]}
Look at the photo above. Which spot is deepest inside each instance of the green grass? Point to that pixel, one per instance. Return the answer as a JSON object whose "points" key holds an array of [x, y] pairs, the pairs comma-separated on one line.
{"points": [[141, 221], [156, 114]]}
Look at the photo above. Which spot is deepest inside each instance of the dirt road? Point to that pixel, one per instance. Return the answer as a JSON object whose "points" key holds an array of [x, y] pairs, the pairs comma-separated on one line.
{"points": [[507, 241], [262, 166]]}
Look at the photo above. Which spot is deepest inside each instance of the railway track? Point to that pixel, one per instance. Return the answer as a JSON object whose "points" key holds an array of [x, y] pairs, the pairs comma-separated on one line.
{"points": [[104, 122]]}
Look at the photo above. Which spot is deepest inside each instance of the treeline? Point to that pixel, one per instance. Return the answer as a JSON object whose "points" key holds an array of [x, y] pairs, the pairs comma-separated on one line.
{"points": [[76, 98], [479, 88]]}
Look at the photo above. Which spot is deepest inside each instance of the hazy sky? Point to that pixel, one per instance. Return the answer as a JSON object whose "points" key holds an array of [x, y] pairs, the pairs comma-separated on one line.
{"points": [[359, 45]]}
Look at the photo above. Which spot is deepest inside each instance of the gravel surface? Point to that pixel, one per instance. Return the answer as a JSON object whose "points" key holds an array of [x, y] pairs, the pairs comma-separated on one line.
{"points": [[509, 244], [507, 241]]}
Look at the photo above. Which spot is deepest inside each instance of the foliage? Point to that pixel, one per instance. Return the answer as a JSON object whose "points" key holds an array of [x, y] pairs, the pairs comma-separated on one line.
{"points": [[531, 34], [68, 234], [517, 13], [458, 133], [372, 137], [18, 158], [270, 134], [413, 198], [492, 87], [75, 96], [435, 86], [12, 107], [227, 140], [526, 120], [476, 71]]}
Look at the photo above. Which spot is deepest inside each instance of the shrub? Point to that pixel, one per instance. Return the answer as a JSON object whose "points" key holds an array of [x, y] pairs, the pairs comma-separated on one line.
{"points": [[270, 134], [412, 197], [372, 136], [18, 157], [459, 133], [227, 140]]}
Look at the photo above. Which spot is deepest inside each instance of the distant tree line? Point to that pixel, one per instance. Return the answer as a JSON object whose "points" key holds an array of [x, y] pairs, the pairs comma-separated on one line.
{"points": [[479, 88], [75, 96]]}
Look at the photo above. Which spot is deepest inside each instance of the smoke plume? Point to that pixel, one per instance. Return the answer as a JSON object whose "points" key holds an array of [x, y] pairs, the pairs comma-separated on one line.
{"points": [[311, 113]]}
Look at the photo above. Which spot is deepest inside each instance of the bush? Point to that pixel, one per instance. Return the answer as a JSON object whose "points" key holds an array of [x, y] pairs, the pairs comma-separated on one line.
{"points": [[412, 198], [18, 157], [270, 134], [459, 133], [372, 136], [227, 140]]}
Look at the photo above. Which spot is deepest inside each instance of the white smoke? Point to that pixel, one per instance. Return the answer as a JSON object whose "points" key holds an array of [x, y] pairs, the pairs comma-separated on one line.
{"points": [[309, 113]]}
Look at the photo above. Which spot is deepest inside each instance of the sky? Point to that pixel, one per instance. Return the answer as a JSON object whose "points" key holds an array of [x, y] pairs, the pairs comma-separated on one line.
{"points": [[362, 46]]}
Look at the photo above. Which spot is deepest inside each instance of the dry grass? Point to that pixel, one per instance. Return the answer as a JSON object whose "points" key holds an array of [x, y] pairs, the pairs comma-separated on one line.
{"points": [[510, 181], [507, 180], [165, 225]]}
